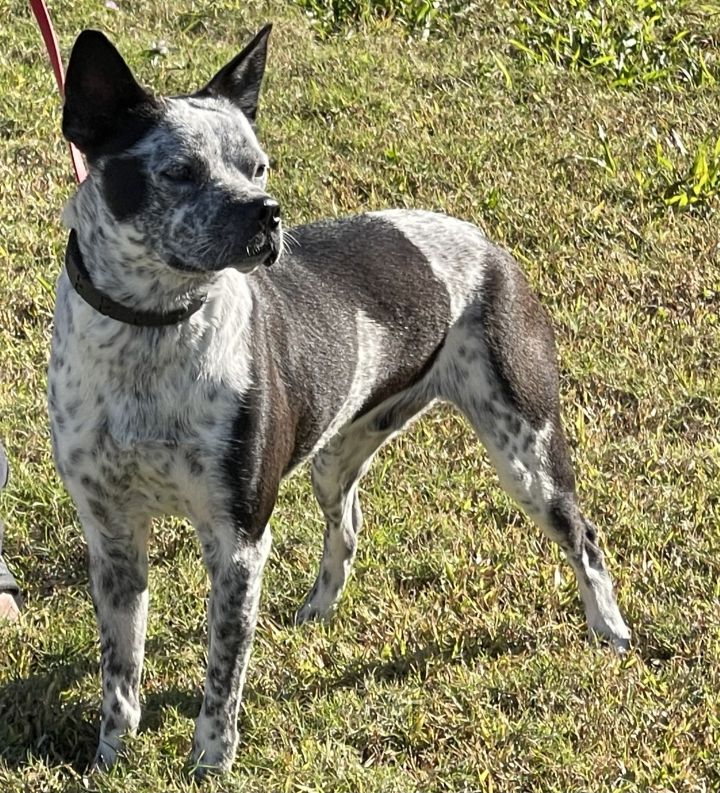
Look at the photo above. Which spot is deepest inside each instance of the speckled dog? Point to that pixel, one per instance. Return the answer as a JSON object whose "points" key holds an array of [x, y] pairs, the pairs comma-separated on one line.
{"points": [[188, 377]]}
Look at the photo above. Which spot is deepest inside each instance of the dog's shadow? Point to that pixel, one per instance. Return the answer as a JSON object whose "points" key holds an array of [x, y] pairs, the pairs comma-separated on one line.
{"points": [[39, 721], [417, 661], [400, 665]]}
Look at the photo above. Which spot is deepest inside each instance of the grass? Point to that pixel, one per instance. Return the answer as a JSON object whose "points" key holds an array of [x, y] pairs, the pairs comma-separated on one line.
{"points": [[628, 41], [457, 660], [416, 16]]}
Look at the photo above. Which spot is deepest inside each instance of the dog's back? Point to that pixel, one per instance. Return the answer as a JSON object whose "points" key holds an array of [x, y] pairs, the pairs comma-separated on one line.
{"points": [[360, 308]]}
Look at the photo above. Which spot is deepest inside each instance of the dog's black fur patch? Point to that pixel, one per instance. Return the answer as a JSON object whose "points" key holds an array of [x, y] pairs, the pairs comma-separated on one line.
{"points": [[519, 340], [125, 185], [300, 289]]}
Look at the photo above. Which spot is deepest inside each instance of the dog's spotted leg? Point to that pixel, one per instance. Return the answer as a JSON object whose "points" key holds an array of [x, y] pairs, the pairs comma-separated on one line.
{"points": [[577, 536], [336, 471], [118, 573], [235, 564], [499, 367], [340, 503], [534, 469]]}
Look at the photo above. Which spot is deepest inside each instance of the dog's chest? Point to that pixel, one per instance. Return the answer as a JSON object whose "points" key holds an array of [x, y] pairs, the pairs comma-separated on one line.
{"points": [[132, 424]]}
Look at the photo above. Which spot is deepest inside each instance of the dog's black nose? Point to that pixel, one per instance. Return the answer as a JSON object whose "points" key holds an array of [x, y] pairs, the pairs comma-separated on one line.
{"points": [[271, 213], [263, 211]]}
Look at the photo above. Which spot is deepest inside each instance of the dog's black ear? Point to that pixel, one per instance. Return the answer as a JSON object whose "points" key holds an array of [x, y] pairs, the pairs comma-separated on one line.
{"points": [[105, 107], [239, 81]]}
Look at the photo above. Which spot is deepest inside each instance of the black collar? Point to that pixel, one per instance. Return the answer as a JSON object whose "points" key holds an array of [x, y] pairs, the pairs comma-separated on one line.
{"points": [[81, 283]]}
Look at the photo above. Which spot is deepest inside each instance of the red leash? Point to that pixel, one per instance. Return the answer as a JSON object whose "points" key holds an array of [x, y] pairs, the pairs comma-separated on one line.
{"points": [[42, 16]]}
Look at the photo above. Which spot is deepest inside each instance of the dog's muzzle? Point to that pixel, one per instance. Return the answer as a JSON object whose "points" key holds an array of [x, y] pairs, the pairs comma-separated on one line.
{"points": [[245, 235]]}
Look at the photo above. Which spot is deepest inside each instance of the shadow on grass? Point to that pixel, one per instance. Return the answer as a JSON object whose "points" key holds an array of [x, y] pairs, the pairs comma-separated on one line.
{"points": [[461, 649], [40, 720], [186, 703], [37, 721]]}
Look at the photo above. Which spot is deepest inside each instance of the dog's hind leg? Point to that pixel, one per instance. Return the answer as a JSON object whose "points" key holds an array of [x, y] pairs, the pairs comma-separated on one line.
{"points": [[499, 367], [336, 471], [119, 573], [534, 469]]}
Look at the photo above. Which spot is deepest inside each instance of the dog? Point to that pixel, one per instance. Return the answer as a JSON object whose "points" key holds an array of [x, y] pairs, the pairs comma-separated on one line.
{"points": [[201, 352]]}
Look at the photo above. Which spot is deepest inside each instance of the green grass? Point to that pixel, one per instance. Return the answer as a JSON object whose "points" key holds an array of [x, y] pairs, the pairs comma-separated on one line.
{"points": [[416, 16], [457, 660], [628, 41]]}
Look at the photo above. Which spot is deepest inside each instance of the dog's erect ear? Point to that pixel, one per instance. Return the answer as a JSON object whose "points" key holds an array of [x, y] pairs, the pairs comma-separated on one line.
{"points": [[239, 81], [105, 107]]}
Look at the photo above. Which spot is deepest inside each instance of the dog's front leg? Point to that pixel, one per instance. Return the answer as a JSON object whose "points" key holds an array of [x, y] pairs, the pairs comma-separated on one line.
{"points": [[235, 568], [119, 574]]}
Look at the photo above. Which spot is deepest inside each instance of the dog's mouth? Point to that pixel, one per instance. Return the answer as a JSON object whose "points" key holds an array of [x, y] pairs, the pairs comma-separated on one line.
{"points": [[261, 250]]}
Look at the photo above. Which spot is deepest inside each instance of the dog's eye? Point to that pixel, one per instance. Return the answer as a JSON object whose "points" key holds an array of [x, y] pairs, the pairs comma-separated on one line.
{"points": [[182, 172], [260, 170]]}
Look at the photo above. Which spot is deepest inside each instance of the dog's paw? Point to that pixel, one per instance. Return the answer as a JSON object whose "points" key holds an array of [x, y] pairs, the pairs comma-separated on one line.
{"points": [[201, 771], [616, 640], [306, 613], [320, 603], [213, 748], [621, 646], [314, 610], [202, 766], [105, 758]]}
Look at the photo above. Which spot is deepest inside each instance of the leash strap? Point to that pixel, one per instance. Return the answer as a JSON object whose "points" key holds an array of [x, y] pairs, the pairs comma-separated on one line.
{"points": [[42, 16]]}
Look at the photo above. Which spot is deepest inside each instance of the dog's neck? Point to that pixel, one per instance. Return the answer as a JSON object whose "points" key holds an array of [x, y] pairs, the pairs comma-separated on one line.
{"points": [[121, 266]]}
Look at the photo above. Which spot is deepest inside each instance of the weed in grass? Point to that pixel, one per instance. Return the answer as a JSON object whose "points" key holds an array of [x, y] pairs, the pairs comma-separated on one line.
{"points": [[696, 186], [626, 41], [673, 177]]}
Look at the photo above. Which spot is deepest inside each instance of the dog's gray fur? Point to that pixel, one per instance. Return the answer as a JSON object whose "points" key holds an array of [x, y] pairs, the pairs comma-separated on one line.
{"points": [[360, 325]]}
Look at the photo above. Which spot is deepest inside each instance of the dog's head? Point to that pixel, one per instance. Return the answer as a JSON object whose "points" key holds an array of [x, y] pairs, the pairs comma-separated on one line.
{"points": [[183, 176]]}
